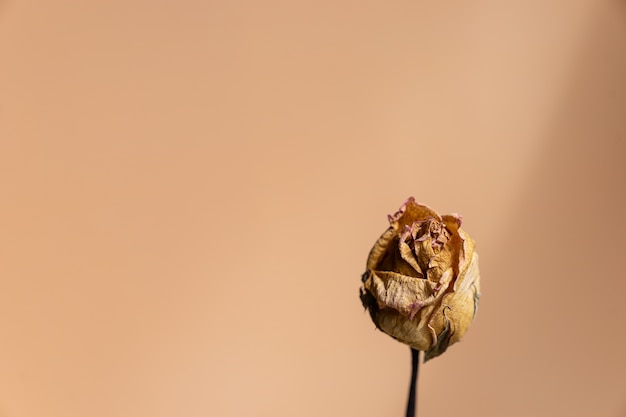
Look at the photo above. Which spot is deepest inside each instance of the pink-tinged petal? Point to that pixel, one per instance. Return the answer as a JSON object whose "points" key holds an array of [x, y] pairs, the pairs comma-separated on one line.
{"points": [[410, 212]]}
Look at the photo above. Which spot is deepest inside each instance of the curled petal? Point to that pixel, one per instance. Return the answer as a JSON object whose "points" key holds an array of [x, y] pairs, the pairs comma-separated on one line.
{"points": [[398, 291], [410, 212]]}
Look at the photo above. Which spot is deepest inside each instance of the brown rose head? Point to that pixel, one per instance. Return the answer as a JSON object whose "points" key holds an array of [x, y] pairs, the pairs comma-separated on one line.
{"points": [[421, 285]]}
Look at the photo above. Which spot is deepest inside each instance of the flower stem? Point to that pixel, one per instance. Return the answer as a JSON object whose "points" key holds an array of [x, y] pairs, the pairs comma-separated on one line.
{"points": [[415, 363]]}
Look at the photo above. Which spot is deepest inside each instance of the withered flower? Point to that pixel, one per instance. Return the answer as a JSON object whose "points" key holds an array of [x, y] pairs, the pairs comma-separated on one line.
{"points": [[421, 285]]}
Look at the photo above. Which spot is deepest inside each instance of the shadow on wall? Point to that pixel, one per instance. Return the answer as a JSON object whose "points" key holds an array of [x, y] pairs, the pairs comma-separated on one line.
{"points": [[565, 247]]}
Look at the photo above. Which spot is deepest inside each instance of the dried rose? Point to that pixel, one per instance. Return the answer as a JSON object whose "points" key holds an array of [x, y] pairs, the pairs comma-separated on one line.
{"points": [[421, 285]]}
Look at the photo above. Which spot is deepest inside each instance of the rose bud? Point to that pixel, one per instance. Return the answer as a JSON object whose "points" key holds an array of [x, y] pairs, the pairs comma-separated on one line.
{"points": [[421, 285]]}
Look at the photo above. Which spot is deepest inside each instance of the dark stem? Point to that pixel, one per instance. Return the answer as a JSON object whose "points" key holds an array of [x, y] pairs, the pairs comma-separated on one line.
{"points": [[415, 363]]}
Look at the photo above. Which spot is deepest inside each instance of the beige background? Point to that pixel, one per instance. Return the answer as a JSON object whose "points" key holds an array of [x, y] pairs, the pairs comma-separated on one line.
{"points": [[190, 190]]}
